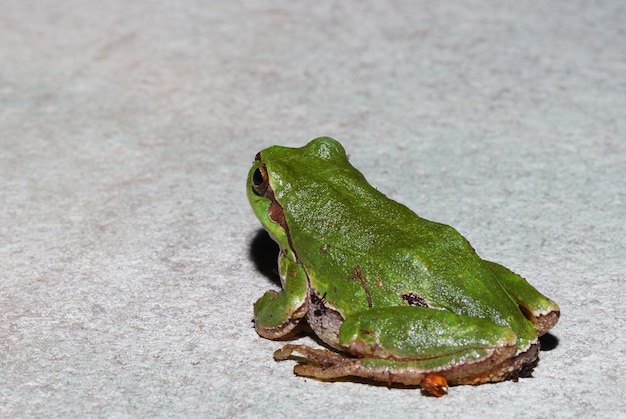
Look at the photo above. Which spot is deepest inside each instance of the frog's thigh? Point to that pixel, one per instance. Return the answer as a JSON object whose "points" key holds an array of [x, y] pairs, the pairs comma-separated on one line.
{"points": [[277, 313], [540, 310], [419, 333]]}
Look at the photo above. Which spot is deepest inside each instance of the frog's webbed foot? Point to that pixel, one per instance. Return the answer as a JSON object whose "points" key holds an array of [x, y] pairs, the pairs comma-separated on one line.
{"points": [[318, 363], [321, 364]]}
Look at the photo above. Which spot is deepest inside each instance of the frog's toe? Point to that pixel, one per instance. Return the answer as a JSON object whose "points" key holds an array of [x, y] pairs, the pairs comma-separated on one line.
{"points": [[434, 385], [309, 356]]}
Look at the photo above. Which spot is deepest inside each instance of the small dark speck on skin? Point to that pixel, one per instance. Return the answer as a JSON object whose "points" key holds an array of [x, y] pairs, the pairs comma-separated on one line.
{"points": [[413, 299], [321, 309]]}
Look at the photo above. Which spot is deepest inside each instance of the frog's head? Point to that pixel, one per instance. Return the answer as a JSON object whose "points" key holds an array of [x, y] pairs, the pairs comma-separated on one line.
{"points": [[282, 177]]}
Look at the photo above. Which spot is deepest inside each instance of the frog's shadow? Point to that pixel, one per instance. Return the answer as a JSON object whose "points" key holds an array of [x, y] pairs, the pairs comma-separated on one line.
{"points": [[548, 342], [264, 253]]}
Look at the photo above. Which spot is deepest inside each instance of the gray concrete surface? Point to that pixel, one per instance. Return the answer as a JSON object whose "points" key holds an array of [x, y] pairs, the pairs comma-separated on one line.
{"points": [[128, 270]]}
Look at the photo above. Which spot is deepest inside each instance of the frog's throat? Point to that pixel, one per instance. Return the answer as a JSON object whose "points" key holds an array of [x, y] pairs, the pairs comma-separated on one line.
{"points": [[276, 213]]}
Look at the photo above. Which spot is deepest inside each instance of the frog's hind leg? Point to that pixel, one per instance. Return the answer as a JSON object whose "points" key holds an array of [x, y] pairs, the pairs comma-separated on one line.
{"points": [[326, 365], [540, 310], [405, 345]]}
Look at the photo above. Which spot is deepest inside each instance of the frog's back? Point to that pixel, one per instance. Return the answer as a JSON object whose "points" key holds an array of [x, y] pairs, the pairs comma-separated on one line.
{"points": [[383, 253]]}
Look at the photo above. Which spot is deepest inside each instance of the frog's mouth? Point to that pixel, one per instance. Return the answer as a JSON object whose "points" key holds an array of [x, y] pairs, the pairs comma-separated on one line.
{"points": [[276, 212]]}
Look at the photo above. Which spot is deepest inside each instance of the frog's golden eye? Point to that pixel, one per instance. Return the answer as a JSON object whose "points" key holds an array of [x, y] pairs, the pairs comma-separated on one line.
{"points": [[260, 180]]}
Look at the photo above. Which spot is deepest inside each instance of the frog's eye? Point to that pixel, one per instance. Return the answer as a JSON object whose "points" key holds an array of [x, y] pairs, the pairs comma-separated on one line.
{"points": [[260, 180]]}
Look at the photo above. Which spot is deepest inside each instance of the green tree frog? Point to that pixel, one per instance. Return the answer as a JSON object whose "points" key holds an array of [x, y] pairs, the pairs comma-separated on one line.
{"points": [[401, 300]]}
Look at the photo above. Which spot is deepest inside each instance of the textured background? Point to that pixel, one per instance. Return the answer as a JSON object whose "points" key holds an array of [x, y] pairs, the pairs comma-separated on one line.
{"points": [[128, 269]]}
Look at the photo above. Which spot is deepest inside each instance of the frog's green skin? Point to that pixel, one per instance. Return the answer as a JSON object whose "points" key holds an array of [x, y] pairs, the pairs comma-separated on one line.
{"points": [[399, 297]]}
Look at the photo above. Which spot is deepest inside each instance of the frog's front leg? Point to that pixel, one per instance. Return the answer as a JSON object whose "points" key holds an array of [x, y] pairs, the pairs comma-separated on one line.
{"points": [[408, 345], [278, 313], [540, 310]]}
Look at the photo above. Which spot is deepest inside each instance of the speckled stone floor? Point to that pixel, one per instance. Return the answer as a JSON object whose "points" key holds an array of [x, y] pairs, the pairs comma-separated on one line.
{"points": [[130, 258]]}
